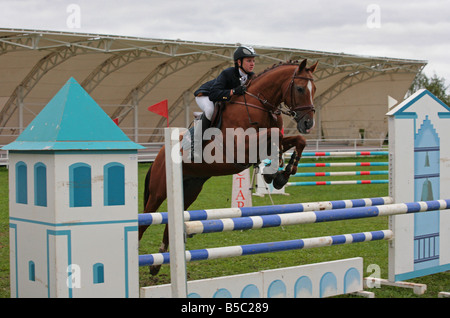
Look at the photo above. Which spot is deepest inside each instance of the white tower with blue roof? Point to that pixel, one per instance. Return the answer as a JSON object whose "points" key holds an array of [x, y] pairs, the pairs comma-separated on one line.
{"points": [[73, 203], [420, 171]]}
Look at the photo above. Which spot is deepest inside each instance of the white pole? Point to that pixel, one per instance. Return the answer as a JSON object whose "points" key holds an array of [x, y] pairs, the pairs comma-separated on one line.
{"points": [[175, 207], [136, 116]]}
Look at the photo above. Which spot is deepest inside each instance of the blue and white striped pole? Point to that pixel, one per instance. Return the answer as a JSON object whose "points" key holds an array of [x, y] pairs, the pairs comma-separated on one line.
{"points": [[259, 248], [343, 182], [345, 153], [340, 173], [342, 164], [212, 214], [255, 222]]}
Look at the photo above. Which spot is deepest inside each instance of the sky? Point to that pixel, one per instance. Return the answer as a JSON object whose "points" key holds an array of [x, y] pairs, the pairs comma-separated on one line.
{"points": [[411, 29]]}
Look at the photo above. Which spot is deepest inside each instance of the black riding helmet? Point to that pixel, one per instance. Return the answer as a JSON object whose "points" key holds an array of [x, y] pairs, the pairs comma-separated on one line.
{"points": [[244, 51], [240, 53]]}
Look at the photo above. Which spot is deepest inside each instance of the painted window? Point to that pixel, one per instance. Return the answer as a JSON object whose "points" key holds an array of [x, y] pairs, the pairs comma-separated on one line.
{"points": [[21, 183], [31, 271], [40, 184], [99, 273], [114, 184], [80, 185]]}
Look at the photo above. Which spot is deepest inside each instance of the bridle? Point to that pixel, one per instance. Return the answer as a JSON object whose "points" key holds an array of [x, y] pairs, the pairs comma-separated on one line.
{"points": [[293, 111], [276, 110]]}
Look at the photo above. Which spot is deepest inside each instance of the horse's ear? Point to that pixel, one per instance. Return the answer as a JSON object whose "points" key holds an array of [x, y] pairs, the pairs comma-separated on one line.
{"points": [[312, 69], [302, 65]]}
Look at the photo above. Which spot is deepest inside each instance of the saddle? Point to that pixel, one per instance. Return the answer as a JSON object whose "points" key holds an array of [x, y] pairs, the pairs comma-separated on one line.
{"points": [[216, 120]]}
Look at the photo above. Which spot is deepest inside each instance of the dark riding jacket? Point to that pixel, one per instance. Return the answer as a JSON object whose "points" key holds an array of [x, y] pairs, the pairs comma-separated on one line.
{"points": [[219, 89]]}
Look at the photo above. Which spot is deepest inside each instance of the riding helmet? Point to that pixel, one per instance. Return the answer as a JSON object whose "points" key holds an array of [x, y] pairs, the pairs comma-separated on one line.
{"points": [[244, 51]]}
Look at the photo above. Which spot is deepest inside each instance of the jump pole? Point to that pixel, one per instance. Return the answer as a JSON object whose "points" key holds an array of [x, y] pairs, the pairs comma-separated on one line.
{"points": [[342, 164], [260, 248], [340, 173], [156, 218], [342, 182], [345, 153], [254, 222], [175, 207]]}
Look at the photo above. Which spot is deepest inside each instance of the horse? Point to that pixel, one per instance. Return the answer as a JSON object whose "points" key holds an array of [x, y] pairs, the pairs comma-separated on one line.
{"points": [[290, 83]]}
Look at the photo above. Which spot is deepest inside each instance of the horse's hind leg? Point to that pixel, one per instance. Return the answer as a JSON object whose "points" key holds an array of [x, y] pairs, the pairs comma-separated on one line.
{"points": [[154, 269], [158, 194], [191, 189], [155, 200], [155, 191]]}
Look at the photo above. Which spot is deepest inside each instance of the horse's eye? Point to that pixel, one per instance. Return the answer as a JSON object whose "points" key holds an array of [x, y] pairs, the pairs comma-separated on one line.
{"points": [[301, 90]]}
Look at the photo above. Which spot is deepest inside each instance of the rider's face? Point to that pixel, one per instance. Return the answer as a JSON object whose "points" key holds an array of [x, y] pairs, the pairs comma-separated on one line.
{"points": [[248, 64]]}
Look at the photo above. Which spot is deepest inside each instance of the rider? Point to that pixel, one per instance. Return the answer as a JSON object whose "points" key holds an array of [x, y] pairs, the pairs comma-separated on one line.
{"points": [[230, 82]]}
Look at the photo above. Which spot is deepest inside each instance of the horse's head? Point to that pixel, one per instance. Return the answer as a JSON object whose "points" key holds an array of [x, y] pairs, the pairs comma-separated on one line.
{"points": [[299, 96]]}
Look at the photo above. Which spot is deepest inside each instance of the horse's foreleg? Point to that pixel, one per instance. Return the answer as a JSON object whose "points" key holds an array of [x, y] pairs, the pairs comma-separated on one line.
{"points": [[299, 142], [154, 195], [269, 147], [282, 177]]}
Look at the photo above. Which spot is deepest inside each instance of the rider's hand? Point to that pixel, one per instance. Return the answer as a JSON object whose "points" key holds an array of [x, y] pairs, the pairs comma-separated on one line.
{"points": [[240, 90]]}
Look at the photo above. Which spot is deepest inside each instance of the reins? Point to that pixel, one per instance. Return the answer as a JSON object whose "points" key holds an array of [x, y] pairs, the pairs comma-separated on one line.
{"points": [[276, 110]]}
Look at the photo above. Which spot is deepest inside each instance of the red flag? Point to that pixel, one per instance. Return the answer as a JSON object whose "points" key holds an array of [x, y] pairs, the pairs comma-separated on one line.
{"points": [[116, 121], [161, 109]]}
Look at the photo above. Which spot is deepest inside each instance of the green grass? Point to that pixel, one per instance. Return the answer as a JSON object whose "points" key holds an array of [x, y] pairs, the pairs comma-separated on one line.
{"points": [[217, 193], [4, 233]]}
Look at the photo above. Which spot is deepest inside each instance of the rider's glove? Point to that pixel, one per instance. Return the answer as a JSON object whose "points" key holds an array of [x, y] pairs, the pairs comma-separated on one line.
{"points": [[240, 90]]}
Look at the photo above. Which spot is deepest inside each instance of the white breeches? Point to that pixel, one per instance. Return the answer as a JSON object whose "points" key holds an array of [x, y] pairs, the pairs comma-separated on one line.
{"points": [[206, 105]]}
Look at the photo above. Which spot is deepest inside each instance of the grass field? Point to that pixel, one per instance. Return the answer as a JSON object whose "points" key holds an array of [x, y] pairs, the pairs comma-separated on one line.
{"points": [[217, 193]]}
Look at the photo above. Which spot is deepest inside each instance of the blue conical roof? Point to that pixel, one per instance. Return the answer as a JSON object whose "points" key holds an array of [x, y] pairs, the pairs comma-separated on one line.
{"points": [[72, 120]]}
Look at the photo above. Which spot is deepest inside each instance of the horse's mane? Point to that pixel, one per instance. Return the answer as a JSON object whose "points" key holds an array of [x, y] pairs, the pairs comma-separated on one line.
{"points": [[274, 66]]}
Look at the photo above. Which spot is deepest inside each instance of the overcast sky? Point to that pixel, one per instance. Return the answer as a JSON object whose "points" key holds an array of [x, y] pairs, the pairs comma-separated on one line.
{"points": [[414, 29]]}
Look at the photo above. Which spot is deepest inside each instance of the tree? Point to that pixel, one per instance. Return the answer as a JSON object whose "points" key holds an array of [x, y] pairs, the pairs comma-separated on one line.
{"points": [[436, 85]]}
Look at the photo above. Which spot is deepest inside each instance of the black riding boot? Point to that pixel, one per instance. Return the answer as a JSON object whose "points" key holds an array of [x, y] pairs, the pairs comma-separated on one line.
{"points": [[197, 145], [206, 123]]}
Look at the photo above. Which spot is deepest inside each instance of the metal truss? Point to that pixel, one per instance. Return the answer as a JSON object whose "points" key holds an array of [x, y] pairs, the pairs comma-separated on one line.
{"points": [[42, 67], [113, 64], [161, 72], [13, 43], [362, 74], [61, 51], [186, 98], [349, 70]]}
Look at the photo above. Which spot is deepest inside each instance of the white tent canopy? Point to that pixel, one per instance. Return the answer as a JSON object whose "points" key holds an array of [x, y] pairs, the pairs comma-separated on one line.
{"points": [[125, 75]]}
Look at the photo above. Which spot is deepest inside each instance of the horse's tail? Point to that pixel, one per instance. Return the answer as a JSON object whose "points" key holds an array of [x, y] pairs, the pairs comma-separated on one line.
{"points": [[146, 187]]}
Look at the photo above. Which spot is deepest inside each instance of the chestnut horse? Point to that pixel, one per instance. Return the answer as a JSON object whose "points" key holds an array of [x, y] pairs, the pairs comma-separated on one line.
{"points": [[260, 107]]}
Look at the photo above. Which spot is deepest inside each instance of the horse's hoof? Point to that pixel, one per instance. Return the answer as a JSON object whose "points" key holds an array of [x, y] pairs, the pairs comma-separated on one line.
{"points": [[280, 181], [154, 269], [268, 178]]}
